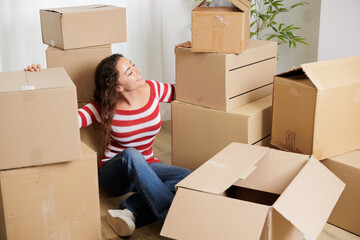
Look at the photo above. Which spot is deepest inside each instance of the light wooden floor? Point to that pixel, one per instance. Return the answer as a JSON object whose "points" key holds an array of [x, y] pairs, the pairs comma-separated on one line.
{"points": [[162, 150]]}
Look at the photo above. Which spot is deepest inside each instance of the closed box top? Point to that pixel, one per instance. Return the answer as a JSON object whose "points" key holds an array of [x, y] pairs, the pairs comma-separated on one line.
{"points": [[307, 192], [24, 80], [83, 26]]}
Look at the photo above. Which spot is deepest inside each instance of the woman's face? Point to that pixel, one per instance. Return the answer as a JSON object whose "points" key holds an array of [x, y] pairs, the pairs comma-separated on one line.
{"points": [[130, 77]]}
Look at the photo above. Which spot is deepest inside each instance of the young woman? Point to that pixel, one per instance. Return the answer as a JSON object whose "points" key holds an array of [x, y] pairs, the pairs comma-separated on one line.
{"points": [[127, 106]]}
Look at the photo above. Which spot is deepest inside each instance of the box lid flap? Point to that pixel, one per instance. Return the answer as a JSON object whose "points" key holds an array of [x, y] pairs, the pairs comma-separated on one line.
{"points": [[333, 73], [78, 9], [243, 5], [309, 199], [198, 215], [236, 161]]}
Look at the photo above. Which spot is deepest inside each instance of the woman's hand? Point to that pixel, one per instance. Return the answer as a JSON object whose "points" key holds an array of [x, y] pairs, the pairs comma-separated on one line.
{"points": [[33, 68], [184, 45]]}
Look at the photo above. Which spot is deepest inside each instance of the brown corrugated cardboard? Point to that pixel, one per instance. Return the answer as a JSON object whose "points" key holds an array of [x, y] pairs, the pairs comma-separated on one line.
{"points": [[91, 136], [317, 108], [55, 201], [38, 125], [346, 212], [83, 26], [199, 133], [221, 29], [225, 81], [229, 197], [80, 64]]}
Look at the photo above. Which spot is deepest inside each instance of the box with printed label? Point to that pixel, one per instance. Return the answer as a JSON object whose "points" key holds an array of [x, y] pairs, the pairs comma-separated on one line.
{"points": [[226, 81], [252, 192], [83, 26], [39, 121], [198, 133]]}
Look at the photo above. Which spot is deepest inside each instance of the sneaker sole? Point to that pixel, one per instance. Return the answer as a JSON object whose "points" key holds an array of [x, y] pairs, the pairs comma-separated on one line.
{"points": [[120, 225]]}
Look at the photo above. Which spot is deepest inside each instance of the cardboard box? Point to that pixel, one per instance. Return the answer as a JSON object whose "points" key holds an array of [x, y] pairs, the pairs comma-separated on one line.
{"points": [[317, 108], [250, 192], [39, 121], [199, 133], [55, 201], [226, 81], [92, 137], [83, 26], [221, 29], [80, 64], [346, 212]]}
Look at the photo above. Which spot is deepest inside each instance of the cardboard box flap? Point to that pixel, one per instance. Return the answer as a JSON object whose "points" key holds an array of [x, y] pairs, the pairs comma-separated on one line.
{"points": [[197, 215], [234, 162], [243, 5], [309, 199], [333, 73], [78, 9], [49, 78]]}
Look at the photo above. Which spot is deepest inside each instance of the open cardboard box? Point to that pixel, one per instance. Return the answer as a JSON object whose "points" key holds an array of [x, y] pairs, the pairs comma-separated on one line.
{"points": [[346, 212], [226, 81], [83, 26], [39, 121], [316, 109], [221, 29], [251, 192]]}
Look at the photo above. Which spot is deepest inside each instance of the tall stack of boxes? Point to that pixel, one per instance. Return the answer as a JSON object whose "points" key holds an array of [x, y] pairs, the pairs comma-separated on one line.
{"points": [[316, 110], [48, 178], [223, 85], [223, 93], [79, 38]]}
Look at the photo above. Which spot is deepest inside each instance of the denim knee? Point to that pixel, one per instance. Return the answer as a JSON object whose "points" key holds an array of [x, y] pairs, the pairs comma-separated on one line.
{"points": [[131, 156]]}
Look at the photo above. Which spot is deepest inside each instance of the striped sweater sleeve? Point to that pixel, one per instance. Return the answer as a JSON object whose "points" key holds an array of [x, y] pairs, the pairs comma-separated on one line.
{"points": [[164, 91], [89, 114]]}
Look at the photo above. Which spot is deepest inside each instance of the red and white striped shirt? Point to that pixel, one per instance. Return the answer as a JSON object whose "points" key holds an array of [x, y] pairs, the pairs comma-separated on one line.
{"points": [[132, 128]]}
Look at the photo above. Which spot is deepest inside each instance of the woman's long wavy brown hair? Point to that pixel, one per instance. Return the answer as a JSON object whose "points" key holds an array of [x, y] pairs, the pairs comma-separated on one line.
{"points": [[106, 81]]}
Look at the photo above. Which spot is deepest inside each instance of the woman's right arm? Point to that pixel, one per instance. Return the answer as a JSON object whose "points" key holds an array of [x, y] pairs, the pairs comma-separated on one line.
{"points": [[89, 114]]}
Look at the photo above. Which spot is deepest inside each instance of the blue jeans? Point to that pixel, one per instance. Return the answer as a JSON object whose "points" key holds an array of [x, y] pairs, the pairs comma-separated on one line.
{"points": [[154, 184]]}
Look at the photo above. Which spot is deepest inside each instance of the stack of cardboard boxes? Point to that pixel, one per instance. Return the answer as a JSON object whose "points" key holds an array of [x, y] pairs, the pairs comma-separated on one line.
{"points": [[255, 192], [223, 86], [79, 38], [316, 110], [48, 178]]}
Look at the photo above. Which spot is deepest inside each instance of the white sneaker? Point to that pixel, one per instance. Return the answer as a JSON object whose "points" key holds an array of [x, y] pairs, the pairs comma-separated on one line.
{"points": [[121, 221]]}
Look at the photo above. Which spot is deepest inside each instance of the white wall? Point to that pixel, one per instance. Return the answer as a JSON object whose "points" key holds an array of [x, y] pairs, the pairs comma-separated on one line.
{"points": [[307, 17], [339, 29]]}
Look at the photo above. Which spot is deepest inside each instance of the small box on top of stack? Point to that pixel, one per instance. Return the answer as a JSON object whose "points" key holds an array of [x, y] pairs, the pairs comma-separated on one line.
{"points": [[79, 38], [223, 84], [220, 26]]}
